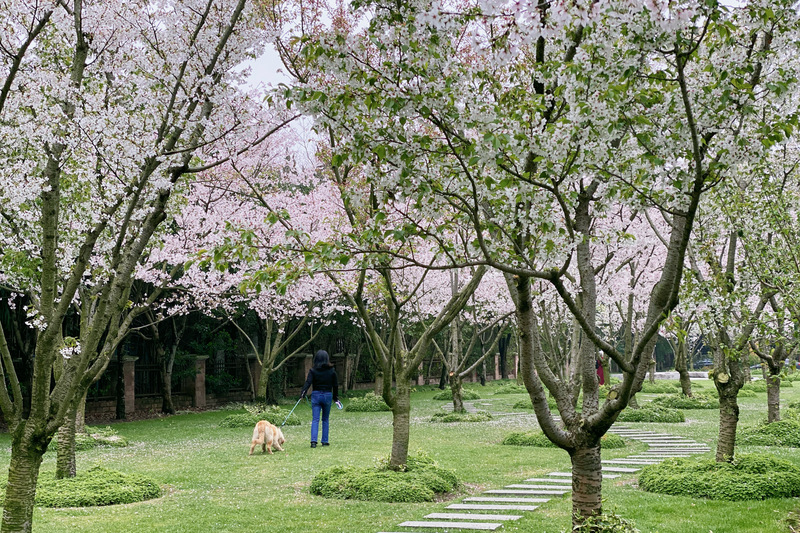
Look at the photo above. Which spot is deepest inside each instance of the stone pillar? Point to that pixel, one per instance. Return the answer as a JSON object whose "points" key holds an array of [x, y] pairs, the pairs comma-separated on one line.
{"points": [[348, 370], [516, 366], [475, 375], [199, 396], [497, 366], [421, 375], [129, 380]]}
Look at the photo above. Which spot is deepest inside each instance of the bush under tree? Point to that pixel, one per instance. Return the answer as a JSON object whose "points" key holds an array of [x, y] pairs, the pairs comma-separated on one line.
{"points": [[539, 440], [652, 413], [747, 477]]}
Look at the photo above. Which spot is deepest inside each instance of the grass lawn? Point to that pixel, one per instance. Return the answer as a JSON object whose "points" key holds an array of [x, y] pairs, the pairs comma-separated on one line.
{"points": [[213, 485]]}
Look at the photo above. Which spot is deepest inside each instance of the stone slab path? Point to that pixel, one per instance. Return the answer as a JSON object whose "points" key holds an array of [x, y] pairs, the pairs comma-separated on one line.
{"points": [[517, 498]]}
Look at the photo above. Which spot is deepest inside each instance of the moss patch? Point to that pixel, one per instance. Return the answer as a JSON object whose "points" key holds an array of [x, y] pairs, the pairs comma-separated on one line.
{"points": [[466, 394], [95, 487], [540, 440], [421, 481], [369, 403], [480, 416], [748, 477], [781, 433], [652, 413]]}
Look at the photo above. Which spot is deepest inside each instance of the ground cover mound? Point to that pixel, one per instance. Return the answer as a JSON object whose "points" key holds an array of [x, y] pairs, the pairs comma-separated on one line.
{"points": [[781, 433], [747, 477], [369, 403], [96, 436], [511, 388], [756, 386], [527, 404], [608, 522], [95, 487], [539, 439], [680, 401], [661, 387], [652, 413], [421, 480], [466, 394], [480, 416], [259, 411]]}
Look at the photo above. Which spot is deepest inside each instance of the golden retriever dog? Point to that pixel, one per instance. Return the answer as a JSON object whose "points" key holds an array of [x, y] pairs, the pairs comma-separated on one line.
{"points": [[267, 435]]}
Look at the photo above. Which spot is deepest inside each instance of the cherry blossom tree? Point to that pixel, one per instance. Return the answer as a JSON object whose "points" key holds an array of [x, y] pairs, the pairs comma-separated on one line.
{"points": [[534, 123], [106, 107]]}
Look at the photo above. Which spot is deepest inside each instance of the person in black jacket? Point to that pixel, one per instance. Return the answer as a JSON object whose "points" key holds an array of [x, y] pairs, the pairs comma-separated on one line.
{"points": [[322, 378]]}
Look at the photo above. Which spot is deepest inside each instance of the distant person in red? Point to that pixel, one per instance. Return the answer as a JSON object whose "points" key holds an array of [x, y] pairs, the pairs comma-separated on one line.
{"points": [[600, 374]]}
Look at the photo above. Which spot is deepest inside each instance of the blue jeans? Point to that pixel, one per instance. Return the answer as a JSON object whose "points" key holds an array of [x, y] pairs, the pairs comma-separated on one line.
{"points": [[320, 404]]}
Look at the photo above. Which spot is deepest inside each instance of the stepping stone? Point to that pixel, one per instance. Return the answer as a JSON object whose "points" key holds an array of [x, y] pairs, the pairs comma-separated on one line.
{"points": [[547, 487], [658, 456], [681, 445], [620, 469], [492, 507], [561, 474], [482, 526], [545, 480], [470, 516], [528, 492], [509, 500]]}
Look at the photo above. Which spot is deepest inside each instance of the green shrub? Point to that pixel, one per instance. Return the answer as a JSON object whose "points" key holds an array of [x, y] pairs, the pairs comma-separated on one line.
{"points": [[255, 412], [239, 420], [359, 393], [745, 393], [781, 433], [97, 486], [511, 388], [539, 439], [466, 394], [756, 386], [527, 404], [698, 401], [480, 416], [370, 403], [748, 477], [421, 481], [652, 413], [661, 387], [608, 522]]}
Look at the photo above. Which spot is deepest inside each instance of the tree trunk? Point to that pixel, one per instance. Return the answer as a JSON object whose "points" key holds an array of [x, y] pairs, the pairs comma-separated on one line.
{"points": [[80, 415], [456, 388], [683, 372], [728, 419], [66, 466], [774, 398], [263, 384], [401, 417], [167, 405], [652, 369], [443, 377], [483, 373], [23, 474], [587, 479]]}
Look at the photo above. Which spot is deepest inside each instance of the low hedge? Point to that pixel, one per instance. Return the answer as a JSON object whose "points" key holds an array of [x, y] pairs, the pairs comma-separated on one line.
{"points": [[756, 386], [652, 413], [511, 388], [527, 404], [747, 477], [466, 394], [539, 439], [680, 401], [255, 412], [369, 403], [95, 437], [421, 481], [480, 416], [781, 433], [661, 387], [95, 487]]}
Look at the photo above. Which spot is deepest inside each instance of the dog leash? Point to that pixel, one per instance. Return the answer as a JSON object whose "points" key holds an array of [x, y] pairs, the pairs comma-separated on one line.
{"points": [[292, 411]]}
